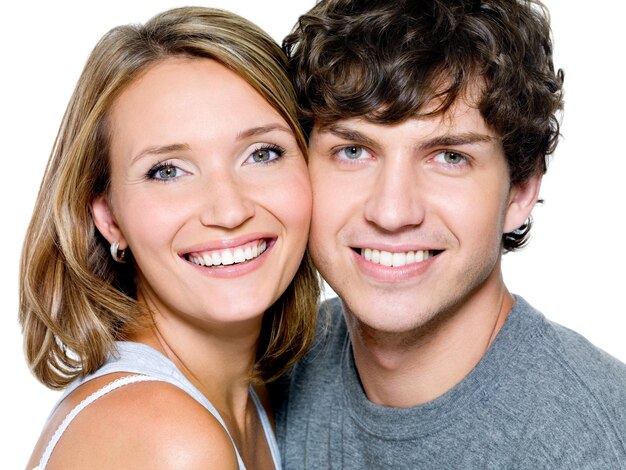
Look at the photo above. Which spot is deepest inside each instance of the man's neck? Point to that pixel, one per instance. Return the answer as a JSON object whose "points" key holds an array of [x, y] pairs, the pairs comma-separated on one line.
{"points": [[405, 370]]}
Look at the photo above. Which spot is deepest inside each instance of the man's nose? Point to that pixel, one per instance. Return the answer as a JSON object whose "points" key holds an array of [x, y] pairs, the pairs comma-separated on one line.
{"points": [[395, 199]]}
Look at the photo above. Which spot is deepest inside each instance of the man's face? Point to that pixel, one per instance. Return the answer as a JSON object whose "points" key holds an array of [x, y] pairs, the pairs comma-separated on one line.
{"points": [[408, 218]]}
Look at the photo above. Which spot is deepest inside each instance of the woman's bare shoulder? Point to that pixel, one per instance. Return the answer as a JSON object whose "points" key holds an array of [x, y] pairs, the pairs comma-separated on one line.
{"points": [[145, 425]]}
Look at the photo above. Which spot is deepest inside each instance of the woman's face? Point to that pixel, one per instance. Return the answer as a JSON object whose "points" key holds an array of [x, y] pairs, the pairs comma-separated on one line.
{"points": [[209, 190]]}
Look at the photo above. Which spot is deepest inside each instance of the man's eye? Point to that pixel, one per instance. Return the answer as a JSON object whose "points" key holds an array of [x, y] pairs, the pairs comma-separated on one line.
{"points": [[265, 154], [352, 152], [450, 158]]}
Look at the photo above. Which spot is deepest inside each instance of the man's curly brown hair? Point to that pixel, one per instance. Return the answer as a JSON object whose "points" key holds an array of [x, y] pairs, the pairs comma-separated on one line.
{"points": [[385, 60]]}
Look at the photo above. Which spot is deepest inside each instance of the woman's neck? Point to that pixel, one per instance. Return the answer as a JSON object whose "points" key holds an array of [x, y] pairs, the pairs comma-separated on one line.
{"points": [[217, 361]]}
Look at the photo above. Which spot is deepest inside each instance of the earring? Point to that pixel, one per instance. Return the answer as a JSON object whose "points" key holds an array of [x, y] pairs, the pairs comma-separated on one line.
{"points": [[117, 254]]}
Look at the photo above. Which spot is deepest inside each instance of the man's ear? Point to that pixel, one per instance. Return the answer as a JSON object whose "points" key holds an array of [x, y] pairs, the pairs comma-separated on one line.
{"points": [[522, 199], [105, 221]]}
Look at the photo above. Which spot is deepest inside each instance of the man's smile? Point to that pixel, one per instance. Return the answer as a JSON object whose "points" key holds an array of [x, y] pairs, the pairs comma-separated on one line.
{"points": [[396, 259]]}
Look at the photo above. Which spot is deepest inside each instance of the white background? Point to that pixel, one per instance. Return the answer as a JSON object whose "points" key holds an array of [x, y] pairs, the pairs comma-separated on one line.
{"points": [[573, 269]]}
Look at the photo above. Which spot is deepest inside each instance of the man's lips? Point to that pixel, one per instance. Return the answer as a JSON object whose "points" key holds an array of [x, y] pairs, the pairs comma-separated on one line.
{"points": [[395, 258]]}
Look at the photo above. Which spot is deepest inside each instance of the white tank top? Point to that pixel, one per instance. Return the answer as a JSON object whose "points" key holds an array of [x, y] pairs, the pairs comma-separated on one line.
{"points": [[150, 365]]}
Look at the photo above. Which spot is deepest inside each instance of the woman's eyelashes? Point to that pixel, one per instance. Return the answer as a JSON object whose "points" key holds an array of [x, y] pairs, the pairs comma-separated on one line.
{"points": [[165, 171], [264, 154]]}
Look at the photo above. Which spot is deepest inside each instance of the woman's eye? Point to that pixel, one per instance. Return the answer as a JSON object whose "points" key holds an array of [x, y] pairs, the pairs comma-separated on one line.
{"points": [[450, 158], [352, 152], [165, 171], [265, 154]]}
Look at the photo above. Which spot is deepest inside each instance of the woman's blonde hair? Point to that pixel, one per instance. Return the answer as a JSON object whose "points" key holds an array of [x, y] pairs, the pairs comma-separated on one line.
{"points": [[75, 301]]}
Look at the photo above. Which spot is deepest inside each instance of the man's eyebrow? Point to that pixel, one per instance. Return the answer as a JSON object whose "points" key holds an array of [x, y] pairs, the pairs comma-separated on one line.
{"points": [[346, 134], [438, 141], [451, 140]]}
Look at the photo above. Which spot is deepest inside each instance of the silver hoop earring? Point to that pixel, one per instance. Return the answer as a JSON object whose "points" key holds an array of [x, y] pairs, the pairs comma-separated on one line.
{"points": [[117, 254]]}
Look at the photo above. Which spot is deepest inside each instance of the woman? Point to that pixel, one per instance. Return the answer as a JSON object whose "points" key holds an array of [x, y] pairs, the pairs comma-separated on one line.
{"points": [[170, 223]]}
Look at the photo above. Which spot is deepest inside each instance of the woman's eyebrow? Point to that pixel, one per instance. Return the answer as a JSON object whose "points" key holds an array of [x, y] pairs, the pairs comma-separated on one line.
{"points": [[160, 150], [165, 149], [258, 130]]}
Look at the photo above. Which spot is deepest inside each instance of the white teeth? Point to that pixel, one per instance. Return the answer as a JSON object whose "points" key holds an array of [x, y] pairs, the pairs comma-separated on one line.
{"points": [[399, 259], [389, 259], [228, 257], [386, 258], [240, 257]]}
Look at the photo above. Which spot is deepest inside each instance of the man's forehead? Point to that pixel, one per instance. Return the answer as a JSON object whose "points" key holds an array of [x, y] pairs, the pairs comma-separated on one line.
{"points": [[461, 118], [465, 105]]}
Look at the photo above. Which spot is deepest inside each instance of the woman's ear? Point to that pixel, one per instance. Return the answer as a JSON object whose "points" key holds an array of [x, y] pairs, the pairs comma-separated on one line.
{"points": [[105, 221], [522, 199]]}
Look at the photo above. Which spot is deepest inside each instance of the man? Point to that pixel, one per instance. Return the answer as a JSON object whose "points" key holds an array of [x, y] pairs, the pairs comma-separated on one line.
{"points": [[430, 122]]}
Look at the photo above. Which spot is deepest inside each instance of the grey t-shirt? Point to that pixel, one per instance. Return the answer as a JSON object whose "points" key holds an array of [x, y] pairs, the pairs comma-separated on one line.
{"points": [[542, 397]]}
